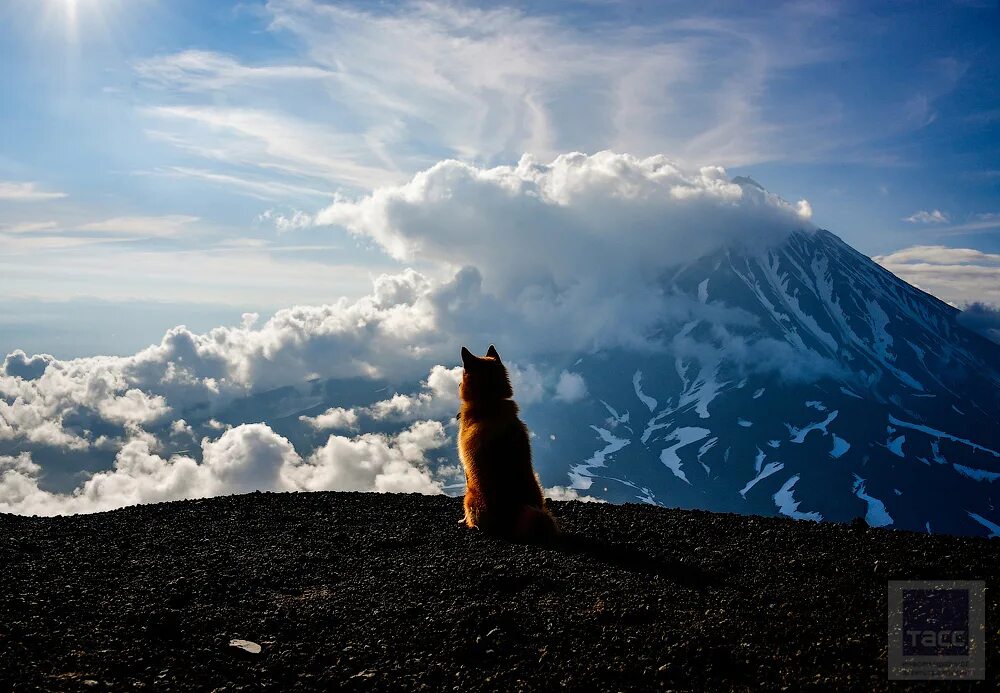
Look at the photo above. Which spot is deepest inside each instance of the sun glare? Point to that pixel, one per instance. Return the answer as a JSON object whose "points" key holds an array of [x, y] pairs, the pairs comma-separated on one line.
{"points": [[72, 14]]}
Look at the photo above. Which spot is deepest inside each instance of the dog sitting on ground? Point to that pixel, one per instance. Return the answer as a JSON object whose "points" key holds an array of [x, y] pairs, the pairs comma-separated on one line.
{"points": [[502, 494]]}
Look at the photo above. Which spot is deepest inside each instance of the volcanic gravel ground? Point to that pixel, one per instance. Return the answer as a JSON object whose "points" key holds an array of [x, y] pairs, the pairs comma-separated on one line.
{"points": [[367, 591]]}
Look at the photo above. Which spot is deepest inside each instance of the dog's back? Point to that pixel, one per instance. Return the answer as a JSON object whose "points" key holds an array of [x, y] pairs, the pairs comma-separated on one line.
{"points": [[502, 494]]}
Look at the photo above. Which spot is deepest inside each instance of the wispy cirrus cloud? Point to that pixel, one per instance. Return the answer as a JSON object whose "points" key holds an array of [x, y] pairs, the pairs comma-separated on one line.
{"points": [[486, 85], [272, 140], [982, 221], [259, 188], [26, 192], [145, 226], [374, 95], [114, 268], [28, 227], [200, 70], [39, 236]]}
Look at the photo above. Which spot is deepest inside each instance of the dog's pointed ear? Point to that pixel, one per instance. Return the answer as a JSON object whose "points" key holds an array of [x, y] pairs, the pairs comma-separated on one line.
{"points": [[467, 358], [492, 351]]}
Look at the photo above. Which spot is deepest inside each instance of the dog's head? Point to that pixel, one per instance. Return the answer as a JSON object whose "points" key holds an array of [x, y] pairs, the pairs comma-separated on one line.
{"points": [[484, 377]]}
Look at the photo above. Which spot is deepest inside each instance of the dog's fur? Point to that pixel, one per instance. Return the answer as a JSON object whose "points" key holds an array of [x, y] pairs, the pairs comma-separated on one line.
{"points": [[502, 493]]}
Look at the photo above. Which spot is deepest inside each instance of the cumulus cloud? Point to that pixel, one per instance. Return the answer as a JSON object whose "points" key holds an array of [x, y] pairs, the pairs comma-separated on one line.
{"points": [[333, 418], [568, 493], [297, 220], [575, 247], [620, 204], [18, 463], [19, 364], [528, 382], [540, 259], [513, 254], [180, 427], [571, 387], [935, 216], [373, 462], [959, 276], [439, 398], [385, 333], [245, 458]]}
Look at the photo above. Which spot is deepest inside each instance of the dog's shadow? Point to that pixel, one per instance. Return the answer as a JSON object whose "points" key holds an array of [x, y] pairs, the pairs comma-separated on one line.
{"points": [[632, 559]]}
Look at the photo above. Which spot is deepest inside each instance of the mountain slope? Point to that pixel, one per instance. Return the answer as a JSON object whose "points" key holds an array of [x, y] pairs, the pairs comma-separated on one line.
{"points": [[369, 591], [793, 376], [809, 382]]}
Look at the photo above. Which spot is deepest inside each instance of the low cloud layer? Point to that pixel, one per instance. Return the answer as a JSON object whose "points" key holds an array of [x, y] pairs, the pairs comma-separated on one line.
{"points": [[983, 319], [245, 458], [517, 255]]}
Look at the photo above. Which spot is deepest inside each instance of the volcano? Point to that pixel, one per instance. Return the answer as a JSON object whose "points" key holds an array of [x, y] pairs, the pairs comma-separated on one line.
{"points": [[813, 384], [793, 376], [798, 378]]}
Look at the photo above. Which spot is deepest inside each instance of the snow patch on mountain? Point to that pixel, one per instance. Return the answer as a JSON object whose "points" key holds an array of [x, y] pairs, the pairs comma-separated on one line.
{"points": [[784, 499], [895, 445], [977, 474], [650, 402], [684, 436], [993, 527], [798, 435], [703, 388], [581, 475], [762, 473], [840, 447], [941, 434], [877, 516]]}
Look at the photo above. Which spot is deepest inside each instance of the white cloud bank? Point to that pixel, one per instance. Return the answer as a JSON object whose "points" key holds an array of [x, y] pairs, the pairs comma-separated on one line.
{"points": [[438, 398], [574, 248], [568, 493], [537, 258], [245, 458], [625, 206]]}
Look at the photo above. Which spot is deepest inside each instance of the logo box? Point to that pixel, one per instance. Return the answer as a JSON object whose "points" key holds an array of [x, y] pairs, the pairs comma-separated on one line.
{"points": [[937, 630]]}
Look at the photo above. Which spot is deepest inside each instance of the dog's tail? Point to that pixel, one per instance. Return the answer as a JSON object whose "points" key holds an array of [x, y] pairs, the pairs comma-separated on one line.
{"points": [[535, 524]]}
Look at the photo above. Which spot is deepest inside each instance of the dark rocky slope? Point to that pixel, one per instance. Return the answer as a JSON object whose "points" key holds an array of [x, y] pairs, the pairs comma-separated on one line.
{"points": [[370, 591]]}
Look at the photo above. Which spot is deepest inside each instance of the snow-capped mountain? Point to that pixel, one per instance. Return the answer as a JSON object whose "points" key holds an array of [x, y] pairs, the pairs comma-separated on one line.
{"points": [[810, 382], [801, 379], [789, 375]]}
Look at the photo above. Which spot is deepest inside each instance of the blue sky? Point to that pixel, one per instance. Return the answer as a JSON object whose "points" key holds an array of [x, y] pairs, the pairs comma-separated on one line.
{"points": [[163, 162]]}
